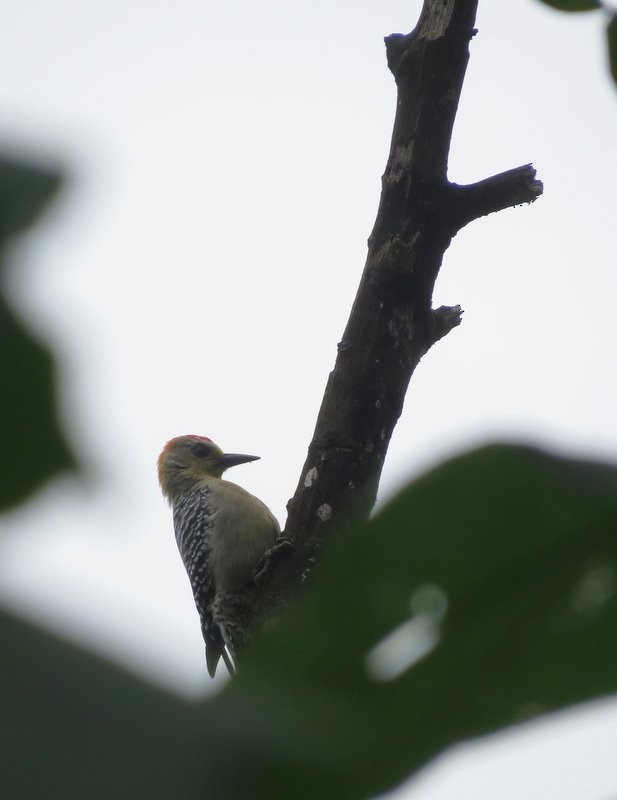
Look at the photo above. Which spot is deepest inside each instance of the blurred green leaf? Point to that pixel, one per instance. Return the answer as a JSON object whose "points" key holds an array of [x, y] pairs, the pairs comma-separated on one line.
{"points": [[523, 548], [573, 5], [33, 448], [73, 726], [509, 557], [611, 33], [25, 191]]}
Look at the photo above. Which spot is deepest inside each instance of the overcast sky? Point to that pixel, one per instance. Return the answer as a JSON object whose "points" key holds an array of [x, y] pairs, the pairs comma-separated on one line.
{"points": [[223, 168]]}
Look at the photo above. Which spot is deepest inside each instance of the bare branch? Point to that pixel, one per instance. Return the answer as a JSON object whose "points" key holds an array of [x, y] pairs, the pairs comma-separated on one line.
{"points": [[392, 324], [444, 319], [511, 188]]}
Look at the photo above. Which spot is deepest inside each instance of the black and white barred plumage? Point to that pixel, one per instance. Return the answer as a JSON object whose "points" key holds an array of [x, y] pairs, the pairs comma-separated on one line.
{"points": [[222, 532], [193, 525]]}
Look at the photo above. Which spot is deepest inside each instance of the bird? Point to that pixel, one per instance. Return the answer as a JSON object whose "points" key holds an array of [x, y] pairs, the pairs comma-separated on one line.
{"points": [[222, 532]]}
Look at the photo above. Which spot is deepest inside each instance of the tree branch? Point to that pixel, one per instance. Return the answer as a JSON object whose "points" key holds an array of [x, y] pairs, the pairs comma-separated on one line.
{"points": [[392, 324], [511, 188], [444, 319]]}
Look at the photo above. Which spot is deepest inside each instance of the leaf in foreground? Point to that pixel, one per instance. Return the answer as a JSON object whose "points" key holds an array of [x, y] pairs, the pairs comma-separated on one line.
{"points": [[611, 35], [33, 447], [573, 5], [504, 561], [485, 593]]}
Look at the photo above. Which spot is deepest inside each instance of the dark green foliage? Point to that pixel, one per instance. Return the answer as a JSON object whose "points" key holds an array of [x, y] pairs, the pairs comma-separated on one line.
{"points": [[573, 5], [611, 33], [593, 5], [33, 448], [25, 190], [74, 726], [521, 546]]}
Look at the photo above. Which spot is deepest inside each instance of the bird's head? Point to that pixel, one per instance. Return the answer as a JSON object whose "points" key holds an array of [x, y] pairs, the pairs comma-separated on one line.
{"points": [[186, 460]]}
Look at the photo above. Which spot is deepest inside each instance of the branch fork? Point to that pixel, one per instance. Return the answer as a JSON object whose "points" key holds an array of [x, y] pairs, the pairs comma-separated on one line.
{"points": [[392, 323]]}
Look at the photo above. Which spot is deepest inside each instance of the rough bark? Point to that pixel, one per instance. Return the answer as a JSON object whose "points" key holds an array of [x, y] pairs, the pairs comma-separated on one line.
{"points": [[392, 324]]}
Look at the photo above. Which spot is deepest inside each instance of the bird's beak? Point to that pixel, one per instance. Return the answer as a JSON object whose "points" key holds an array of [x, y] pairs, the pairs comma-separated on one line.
{"points": [[232, 459]]}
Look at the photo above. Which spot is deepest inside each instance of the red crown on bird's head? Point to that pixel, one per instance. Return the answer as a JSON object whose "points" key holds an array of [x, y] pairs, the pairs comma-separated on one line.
{"points": [[170, 444]]}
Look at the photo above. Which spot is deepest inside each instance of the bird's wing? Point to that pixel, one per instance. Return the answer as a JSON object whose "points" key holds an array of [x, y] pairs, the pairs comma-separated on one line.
{"points": [[193, 520]]}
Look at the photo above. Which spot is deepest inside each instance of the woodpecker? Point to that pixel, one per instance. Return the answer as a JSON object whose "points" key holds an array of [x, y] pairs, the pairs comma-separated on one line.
{"points": [[222, 531]]}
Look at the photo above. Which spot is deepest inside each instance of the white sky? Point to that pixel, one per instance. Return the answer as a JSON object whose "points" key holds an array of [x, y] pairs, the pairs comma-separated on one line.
{"points": [[225, 164]]}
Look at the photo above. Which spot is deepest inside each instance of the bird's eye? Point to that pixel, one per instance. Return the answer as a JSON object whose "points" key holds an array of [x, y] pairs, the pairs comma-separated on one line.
{"points": [[201, 450]]}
